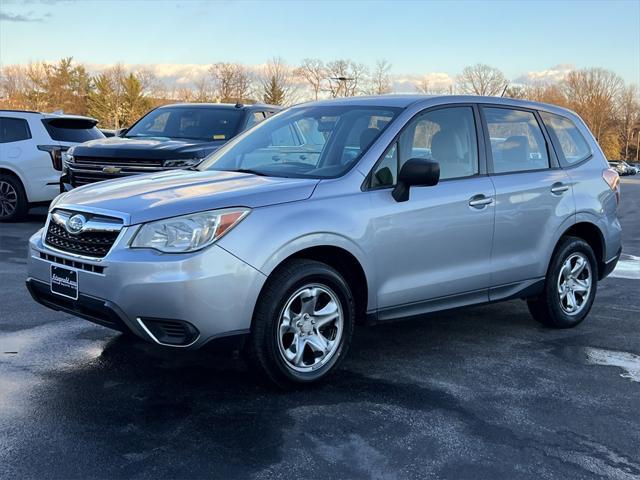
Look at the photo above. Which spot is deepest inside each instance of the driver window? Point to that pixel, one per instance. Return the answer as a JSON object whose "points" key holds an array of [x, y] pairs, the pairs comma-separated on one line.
{"points": [[447, 136]]}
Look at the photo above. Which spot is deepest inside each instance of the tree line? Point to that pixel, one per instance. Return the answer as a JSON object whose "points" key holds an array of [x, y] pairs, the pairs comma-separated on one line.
{"points": [[117, 96]]}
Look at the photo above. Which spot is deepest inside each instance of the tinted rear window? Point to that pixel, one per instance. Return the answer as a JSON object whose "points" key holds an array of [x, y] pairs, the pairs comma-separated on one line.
{"points": [[204, 124], [72, 130], [574, 148], [13, 130]]}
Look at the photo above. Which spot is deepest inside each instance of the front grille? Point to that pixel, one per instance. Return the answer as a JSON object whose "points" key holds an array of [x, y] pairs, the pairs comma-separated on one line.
{"points": [[85, 170], [91, 243], [88, 267]]}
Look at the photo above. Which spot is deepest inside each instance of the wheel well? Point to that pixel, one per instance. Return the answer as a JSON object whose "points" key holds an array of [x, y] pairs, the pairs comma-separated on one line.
{"points": [[6, 171], [590, 233], [348, 266]]}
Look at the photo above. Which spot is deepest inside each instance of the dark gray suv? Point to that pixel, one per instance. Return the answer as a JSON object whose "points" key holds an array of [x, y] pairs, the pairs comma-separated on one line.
{"points": [[168, 137], [362, 209]]}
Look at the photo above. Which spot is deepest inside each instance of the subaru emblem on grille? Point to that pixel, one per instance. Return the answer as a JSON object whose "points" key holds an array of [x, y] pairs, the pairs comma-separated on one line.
{"points": [[75, 223], [111, 170]]}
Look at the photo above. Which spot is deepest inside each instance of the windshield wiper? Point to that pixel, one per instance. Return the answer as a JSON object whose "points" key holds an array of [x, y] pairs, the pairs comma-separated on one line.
{"points": [[248, 170]]}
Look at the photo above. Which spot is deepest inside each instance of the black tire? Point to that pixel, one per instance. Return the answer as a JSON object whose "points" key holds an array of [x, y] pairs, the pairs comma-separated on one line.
{"points": [[263, 346], [548, 308], [11, 190]]}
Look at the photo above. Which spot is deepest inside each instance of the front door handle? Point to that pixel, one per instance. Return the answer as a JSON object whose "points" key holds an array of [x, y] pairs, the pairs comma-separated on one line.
{"points": [[479, 201], [559, 188]]}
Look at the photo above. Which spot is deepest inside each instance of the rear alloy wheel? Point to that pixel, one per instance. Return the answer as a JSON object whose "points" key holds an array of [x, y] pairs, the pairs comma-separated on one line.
{"points": [[302, 323], [574, 284], [570, 286], [13, 200]]}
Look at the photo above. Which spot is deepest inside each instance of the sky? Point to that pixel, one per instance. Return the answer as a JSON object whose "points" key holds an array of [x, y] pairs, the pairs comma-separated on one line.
{"points": [[526, 40]]}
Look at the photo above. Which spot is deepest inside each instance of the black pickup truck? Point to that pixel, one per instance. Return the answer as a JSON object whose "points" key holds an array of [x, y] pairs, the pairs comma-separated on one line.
{"points": [[168, 137]]}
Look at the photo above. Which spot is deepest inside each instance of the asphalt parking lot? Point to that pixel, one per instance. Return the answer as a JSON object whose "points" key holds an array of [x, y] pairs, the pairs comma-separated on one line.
{"points": [[478, 393]]}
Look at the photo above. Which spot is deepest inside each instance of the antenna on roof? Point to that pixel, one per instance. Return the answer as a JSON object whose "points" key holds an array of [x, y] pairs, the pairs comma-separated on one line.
{"points": [[504, 90], [239, 105]]}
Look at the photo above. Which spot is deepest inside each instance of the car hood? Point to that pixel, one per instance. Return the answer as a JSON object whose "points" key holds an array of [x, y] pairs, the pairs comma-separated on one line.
{"points": [[144, 198], [147, 147]]}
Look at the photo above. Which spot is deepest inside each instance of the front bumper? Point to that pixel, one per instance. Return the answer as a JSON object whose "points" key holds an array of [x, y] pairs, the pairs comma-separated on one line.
{"points": [[211, 293]]}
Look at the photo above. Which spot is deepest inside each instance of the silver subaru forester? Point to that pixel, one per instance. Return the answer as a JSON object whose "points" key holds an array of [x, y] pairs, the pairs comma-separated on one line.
{"points": [[364, 209]]}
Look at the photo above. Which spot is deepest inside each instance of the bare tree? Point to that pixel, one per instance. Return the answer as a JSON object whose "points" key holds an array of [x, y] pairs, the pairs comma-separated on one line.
{"points": [[381, 78], [481, 79], [278, 83], [346, 78], [592, 93], [232, 82], [424, 85], [14, 85], [314, 72], [629, 108], [202, 91]]}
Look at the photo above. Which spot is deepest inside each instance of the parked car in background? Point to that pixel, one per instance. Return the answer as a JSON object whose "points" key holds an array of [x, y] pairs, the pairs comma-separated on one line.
{"points": [[391, 207], [167, 138], [622, 167], [632, 169], [31, 149]]}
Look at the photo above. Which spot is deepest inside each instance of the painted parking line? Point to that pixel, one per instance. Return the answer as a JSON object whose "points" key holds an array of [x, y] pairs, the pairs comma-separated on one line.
{"points": [[628, 267]]}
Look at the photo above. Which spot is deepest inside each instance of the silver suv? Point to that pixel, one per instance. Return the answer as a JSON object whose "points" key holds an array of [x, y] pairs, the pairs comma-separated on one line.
{"points": [[365, 209]]}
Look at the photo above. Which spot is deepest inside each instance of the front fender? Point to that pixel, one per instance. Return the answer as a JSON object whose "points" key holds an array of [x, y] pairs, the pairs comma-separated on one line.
{"points": [[270, 235]]}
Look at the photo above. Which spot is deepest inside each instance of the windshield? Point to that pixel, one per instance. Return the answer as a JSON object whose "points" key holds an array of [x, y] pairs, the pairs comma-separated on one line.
{"points": [[192, 123], [314, 141]]}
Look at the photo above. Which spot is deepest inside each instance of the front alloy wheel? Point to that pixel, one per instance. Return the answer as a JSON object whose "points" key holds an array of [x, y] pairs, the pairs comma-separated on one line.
{"points": [[302, 323], [310, 328]]}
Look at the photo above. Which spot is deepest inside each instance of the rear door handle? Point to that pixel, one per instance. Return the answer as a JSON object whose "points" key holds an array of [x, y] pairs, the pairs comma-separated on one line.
{"points": [[559, 188], [479, 201]]}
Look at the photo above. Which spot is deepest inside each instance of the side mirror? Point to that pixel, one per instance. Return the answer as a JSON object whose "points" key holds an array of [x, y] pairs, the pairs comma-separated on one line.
{"points": [[415, 172], [121, 131]]}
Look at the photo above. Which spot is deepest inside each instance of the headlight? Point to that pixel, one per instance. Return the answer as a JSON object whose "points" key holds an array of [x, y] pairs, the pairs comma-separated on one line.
{"points": [[182, 163], [188, 233], [67, 158]]}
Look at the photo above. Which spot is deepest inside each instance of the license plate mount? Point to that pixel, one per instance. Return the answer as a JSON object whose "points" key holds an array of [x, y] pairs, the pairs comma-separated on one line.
{"points": [[64, 282]]}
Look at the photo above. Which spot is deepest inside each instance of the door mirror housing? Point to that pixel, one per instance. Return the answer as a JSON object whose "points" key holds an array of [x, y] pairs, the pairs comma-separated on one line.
{"points": [[415, 172]]}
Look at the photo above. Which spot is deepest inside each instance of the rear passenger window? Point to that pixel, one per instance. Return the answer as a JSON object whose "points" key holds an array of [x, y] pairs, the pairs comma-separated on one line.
{"points": [[14, 130], [517, 143], [573, 146]]}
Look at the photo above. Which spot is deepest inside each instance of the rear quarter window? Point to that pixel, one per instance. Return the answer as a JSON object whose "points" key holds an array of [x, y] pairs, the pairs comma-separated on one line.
{"points": [[573, 146], [72, 130], [13, 130]]}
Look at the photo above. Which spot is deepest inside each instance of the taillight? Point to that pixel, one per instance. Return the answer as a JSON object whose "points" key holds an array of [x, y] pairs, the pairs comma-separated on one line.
{"points": [[55, 151], [613, 180]]}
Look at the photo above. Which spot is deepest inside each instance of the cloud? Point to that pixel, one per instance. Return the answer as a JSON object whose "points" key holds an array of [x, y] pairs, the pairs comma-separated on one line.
{"points": [[436, 82], [554, 74], [20, 18]]}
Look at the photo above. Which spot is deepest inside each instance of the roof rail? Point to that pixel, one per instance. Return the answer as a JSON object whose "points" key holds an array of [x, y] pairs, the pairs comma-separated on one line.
{"points": [[17, 111]]}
